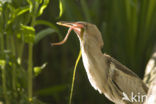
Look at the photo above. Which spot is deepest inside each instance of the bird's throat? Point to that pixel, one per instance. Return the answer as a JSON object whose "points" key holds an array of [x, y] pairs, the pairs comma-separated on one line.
{"points": [[92, 60], [91, 50], [91, 57]]}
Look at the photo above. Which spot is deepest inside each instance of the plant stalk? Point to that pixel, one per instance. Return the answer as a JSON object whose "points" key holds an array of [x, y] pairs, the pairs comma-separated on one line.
{"points": [[2, 43], [30, 65], [73, 80], [14, 66], [4, 72], [21, 49], [4, 86]]}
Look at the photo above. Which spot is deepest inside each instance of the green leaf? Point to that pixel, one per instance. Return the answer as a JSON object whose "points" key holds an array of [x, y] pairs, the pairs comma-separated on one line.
{"points": [[61, 8], [22, 10], [30, 5], [44, 5], [2, 63], [43, 22], [38, 69], [28, 29], [11, 13], [39, 1], [43, 33], [29, 33]]}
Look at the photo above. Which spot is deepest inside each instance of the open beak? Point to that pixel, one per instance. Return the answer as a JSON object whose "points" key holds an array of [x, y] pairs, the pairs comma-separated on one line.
{"points": [[74, 25], [66, 24], [77, 27]]}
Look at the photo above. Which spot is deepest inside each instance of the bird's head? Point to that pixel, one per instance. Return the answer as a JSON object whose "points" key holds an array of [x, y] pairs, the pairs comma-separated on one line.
{"points": [[87, 33]]}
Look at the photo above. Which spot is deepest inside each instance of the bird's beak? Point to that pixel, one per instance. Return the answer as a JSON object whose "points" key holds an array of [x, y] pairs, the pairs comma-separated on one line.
{"points": [[66, 24], [77, 27]]}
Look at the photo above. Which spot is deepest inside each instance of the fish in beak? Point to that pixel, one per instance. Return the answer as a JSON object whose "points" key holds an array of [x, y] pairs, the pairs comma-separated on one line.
{"points": [[77, 27]]}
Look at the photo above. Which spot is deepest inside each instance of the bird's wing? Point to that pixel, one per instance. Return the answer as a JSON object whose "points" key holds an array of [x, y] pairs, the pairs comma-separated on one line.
{"points": [[124, 78]]}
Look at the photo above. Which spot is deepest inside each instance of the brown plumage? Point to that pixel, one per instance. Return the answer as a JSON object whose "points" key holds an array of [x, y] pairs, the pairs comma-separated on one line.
{"points": [[105, 74]]}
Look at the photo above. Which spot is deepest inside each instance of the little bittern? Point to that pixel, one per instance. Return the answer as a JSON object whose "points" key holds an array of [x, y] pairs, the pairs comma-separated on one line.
{"points": [[105, 74]]}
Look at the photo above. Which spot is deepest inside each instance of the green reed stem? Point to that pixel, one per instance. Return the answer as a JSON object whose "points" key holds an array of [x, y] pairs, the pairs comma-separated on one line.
{"points": [[2, 42], [4, 73], [30, 65], [14, 66], [4, 86], [73, 80]]}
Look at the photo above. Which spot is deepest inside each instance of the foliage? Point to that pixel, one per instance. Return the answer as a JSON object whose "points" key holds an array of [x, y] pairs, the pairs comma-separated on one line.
{"points": [[127, 26], [17, 31]]}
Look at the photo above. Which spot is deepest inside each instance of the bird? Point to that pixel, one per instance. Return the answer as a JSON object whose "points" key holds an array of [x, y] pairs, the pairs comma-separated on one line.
{"points": [[106, 75]]}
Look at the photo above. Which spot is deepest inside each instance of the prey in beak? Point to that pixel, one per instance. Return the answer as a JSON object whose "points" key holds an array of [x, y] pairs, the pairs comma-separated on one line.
{"points": [[77, 27]]}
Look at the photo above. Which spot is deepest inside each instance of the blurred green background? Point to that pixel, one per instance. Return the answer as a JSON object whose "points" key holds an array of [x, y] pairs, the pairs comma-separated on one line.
{"points": [[128, 31]]}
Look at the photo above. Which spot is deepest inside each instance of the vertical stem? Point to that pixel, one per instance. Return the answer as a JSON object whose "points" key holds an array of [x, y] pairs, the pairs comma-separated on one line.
{"points": [[4, 85], [3, 72], [30, 57], [2, 43], [30, 65], [14, 67], [7, 42], [73, 80], [14, 78], [21, 49]]}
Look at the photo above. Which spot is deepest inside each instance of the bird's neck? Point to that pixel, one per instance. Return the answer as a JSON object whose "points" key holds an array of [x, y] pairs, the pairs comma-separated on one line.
{"points": [[91, 51], [91, 55], [95, 66]]}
